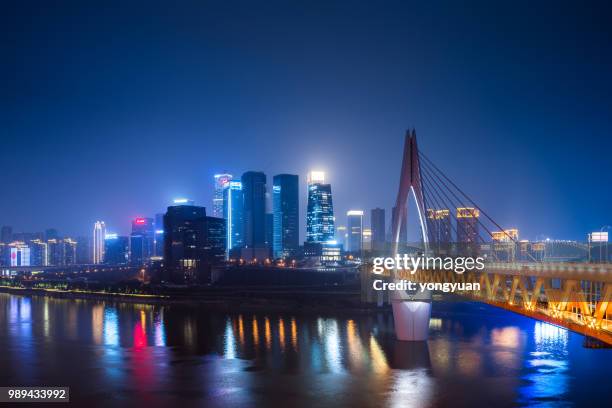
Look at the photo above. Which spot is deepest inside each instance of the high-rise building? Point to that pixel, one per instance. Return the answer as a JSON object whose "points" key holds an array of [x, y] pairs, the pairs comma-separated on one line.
{"points": [[83, 250], [158, 245], [221, 181], [116, 250], [467, 230], [185, 244], [509, 235], [354, 223], [285, 203], [99, 233], [439, 226], [20, 254], [320, 212], [254, 198], [403, 232], [216, 240], [69, 251], [377, 224], [467, 225], [141, 240], [54, 252], [39, 253], [233, 212]]}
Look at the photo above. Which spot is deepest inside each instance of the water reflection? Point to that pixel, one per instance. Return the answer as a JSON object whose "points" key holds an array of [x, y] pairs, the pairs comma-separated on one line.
{"points": [[547, 378], [251, 360], [111, 327]]}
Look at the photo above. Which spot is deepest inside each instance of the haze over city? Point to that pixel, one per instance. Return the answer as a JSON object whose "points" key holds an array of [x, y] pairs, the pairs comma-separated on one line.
{"points": [[99, 126]]}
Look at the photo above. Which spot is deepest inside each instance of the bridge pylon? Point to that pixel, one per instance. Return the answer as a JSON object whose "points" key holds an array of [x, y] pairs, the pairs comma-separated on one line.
{"points": [[411, 312]]}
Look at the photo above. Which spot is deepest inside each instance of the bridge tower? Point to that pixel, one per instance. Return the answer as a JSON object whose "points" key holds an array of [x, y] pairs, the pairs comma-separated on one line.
{"points": [[411, 312]]}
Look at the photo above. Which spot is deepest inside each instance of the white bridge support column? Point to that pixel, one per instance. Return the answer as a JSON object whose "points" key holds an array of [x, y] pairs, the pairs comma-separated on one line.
{"points": [[411, 319], [410, 312]]}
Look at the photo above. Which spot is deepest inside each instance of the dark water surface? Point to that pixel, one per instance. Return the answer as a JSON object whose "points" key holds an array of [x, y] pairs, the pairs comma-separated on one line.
{"points": [[121, 354]]}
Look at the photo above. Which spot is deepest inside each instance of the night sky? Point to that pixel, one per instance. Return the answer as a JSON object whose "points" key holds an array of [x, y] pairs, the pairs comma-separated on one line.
{"points": [[110, 111]]}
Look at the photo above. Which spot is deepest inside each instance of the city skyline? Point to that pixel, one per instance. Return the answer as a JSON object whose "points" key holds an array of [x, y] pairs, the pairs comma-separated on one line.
{"points": [[525, 130]]}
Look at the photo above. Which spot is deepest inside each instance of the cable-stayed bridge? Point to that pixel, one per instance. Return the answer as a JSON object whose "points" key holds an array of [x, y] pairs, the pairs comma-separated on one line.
{"points": [[516, 276]]}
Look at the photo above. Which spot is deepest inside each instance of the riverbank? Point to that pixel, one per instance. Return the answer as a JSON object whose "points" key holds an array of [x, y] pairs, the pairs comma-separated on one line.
{"points": [[228, 299]]}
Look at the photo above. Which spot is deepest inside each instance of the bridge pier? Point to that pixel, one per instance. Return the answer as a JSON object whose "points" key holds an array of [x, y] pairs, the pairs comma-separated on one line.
{"points": [[411, 318]]}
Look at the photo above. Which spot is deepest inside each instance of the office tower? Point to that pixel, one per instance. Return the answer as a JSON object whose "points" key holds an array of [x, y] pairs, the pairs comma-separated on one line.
{"points": [[158, 239], [6, 235], [141, 240], [467, 224], [320, 212], [116, 249], [467, 231], [254, 197], [20, 254], [505, 244], [354, 223], [83, 250], [403, 233], [216, 239], [439, 225], [221, 181], [98, 242], [38, 253], [377, 224], [185, 244], [509, 235], [69, 251], [285, 206], [54, 252], [233, 212]]}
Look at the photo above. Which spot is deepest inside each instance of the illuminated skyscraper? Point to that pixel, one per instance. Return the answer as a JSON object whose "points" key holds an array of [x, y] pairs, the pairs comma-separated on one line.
{"points": [[233, 214], [439, 224], [39, 253], [116, 249], [354, 224], [467, 224], [254, 198], [141, 240], [99, 233], [320, 212], [185, 244], [221, 181], [285, 202], [509, 235], [377, 223]]}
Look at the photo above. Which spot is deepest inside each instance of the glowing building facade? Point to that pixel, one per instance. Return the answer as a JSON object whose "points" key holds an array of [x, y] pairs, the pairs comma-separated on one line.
{"points": [[320, 212], [142, 240], [99, 234], [221, 182], [285, 203], [354, 223], [233, 214]]}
